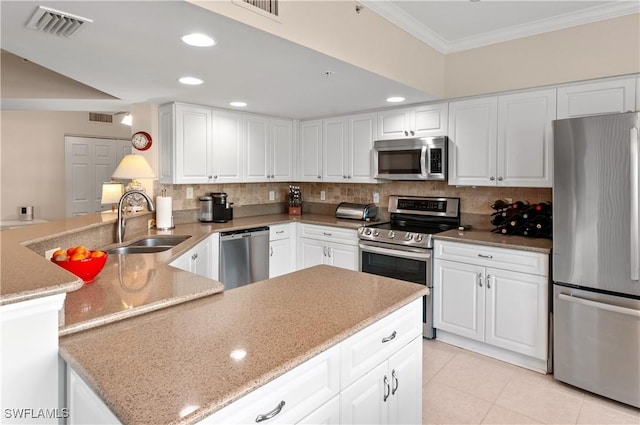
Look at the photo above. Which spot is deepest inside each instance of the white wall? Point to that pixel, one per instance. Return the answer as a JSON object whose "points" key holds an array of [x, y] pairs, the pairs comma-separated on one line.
{"points": [[32, 158]]}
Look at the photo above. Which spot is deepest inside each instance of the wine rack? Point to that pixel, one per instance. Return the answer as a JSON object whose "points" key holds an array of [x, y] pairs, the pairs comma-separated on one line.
{"points": [[522, 219]]}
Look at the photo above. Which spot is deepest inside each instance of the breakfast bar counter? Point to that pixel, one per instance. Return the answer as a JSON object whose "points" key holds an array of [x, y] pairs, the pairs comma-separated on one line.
{"points": [[176, 365]]}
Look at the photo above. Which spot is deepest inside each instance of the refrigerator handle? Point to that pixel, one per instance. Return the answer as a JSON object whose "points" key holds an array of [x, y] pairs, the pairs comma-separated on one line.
{"points": [[635, 182], [599, 305]]}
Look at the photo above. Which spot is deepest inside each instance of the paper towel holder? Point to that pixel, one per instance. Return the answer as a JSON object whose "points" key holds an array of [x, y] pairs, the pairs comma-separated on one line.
{"points": [[158, 207]]}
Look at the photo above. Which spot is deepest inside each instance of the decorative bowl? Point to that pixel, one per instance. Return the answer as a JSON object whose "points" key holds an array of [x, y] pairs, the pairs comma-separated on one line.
{"points": [[86, 269]]}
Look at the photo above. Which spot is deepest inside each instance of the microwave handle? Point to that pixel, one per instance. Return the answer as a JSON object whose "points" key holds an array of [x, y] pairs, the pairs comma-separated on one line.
{"points": [[423, 162]]}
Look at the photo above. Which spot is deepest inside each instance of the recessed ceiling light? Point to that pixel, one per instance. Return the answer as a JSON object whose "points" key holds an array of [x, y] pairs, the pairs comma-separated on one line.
{"points": [[198, 40], [395, 99], [191, 81], [238, 104]]}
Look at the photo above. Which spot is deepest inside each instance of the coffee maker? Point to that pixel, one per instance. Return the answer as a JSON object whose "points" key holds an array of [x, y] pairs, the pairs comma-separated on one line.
{"points": [[222, 210]]}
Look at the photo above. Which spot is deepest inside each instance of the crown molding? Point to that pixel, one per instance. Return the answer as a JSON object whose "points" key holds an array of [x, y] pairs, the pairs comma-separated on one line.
{"points": [[397, 16]]}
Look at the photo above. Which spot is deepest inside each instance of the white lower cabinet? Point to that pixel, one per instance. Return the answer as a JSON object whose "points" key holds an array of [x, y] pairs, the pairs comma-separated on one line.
{"points": [[202, 259], [327, 245], [388, 394], [282, 253], [482, 304], [85, 407], [328, 413]]}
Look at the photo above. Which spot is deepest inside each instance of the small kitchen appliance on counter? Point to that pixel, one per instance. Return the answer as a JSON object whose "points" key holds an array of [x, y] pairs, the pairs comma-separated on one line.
{"points": [[402, 248], [365, 212], [222, 209], [206, 209], [25, 213]]}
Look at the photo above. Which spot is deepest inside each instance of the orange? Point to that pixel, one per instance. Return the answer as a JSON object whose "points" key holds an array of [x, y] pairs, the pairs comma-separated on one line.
{"points": [[77, 257], [80, 250], [70, 251], [61, 257], [96, 254], [59, 252]]}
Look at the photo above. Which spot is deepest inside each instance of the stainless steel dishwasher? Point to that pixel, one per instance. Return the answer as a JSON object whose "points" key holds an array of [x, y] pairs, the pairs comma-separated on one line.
{"points": [[244, 256]]}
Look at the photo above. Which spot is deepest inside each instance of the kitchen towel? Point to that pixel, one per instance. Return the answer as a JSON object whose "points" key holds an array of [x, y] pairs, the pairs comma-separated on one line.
{"points": [[164, 212]]}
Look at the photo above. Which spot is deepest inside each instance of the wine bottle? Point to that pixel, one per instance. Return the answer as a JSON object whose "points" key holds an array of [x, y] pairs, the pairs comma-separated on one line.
{"points": [[529, 230], [502, 229], [541, 222], [516, 220], [530, 213], [543, 207], [498, 220], [499, 204], [519, 205]]}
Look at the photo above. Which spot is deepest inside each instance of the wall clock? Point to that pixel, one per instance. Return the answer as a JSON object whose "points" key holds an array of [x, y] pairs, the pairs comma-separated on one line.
{"points": [[141, 140]]}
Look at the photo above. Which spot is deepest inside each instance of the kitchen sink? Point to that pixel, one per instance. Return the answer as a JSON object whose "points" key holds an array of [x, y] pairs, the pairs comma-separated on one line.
{"points": [[137, 249], [149, 245], [160, 241]]}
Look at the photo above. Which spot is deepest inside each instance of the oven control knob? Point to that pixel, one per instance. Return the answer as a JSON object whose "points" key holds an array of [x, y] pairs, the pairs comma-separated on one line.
{"points": [[376, 233], [367, 232], [391, 234], [408, 236], [419, 237]]}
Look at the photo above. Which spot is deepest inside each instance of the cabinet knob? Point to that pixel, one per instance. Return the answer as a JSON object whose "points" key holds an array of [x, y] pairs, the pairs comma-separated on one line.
{"points": [[492, 178], [344, 177], [319, 177], [406, 133], [210, 177], [215, 177], [500, 179], [413, 133]]}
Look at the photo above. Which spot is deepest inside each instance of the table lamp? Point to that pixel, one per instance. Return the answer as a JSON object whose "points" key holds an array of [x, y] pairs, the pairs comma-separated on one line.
{"points": [[134, 167], [111, 193]]}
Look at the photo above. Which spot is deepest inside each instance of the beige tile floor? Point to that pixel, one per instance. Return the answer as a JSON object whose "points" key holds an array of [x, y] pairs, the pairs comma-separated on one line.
{"points": [[462, 387]]}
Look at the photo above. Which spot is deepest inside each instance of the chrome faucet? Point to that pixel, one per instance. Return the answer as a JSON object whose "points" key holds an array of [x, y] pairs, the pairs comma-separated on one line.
{"points": [[121, 221]]}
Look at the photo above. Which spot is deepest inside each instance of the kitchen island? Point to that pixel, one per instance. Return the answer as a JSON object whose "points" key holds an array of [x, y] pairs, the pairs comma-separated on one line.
{"points": [[183, 363]]}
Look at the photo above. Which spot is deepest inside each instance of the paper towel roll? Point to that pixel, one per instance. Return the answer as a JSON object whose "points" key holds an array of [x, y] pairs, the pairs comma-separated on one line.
{"points": [[164, 212]]}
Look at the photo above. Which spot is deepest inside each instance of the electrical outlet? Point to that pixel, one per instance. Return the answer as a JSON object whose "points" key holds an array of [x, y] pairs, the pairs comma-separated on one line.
{"points": [[376, 197], [272, 195], [49, 253], [189, 193], [323, 195]]}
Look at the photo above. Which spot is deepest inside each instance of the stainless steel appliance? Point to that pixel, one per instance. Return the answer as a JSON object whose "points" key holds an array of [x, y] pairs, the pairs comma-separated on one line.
{"points": [[244, 256], [206, 209], [351, 211], [402, 248], [423, 158], [596, 255]]}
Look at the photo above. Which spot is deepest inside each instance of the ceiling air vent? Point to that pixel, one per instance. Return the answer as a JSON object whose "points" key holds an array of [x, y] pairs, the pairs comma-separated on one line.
{"points": [[55, 22], [269, 6], [98, 117]]}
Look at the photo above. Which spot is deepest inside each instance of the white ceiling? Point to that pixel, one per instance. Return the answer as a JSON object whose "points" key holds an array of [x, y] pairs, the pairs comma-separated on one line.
{"points": [[132, 51]]}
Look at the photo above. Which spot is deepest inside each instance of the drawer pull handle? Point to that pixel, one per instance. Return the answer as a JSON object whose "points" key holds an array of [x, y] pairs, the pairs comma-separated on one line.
{"points": [[485, 256], [386, 388], [389, 338], [395, 382], [271, 414], [326, 233], [270, 251], [489, 281], [279, 232]]}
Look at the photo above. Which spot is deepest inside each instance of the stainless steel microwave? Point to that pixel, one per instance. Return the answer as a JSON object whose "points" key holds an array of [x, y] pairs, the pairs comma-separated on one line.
{"points": [[423, 158]]}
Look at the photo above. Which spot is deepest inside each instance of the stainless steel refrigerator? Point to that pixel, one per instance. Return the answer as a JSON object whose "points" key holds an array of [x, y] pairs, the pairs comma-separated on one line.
{"points": [[596, 255]]}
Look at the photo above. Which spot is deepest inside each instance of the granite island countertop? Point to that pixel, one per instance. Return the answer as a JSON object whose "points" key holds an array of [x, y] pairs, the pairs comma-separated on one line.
{"points": [[148, 368], [487, 238]]}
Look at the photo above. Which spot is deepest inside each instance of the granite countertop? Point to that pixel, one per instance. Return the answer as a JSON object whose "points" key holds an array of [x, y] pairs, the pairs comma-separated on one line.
{"points": [[151, 368], [487, 238], [129, 284]]}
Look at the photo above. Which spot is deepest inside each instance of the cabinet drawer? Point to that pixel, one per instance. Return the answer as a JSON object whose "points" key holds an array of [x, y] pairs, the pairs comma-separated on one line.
{"points": [[328, 233], [365, 350], [500, 258], [279, 231], [303, 390]]}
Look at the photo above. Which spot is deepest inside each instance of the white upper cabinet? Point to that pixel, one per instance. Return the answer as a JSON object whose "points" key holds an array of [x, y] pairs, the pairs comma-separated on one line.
{"points": [[420, 121], [502, 141], [310, 151], [362, 129], [269, 149], [335, 150], [525, 139], [598, 97], [472, 141], [227, 151], [199, 145]]}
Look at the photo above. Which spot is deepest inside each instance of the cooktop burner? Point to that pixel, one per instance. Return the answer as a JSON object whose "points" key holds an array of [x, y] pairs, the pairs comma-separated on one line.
{"points": [[413, 220]]}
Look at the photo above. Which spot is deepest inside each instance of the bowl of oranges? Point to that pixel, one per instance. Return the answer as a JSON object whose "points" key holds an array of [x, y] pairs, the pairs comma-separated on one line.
{"points": [[84, 263]]}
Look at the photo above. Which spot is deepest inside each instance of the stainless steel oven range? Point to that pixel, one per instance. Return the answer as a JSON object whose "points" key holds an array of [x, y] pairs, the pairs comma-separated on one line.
{"points": [[402, 248]]}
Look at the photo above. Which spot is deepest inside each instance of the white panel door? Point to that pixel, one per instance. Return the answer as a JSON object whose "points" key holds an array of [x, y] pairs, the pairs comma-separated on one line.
{"points": [[335, 140], [430, 120], [256, 134], [279, 257], [282, 150], [310, 155], [343, 256], [312, 253], [599, 97], [393, 124], [362, 129], [227, 155], [363, 401], [472, 141], [193, 144], [516, 312], [405, 369], [458, 303], [525, 139]]}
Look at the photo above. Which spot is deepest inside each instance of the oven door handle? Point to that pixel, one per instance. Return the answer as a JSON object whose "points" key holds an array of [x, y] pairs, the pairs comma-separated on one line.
{"points": [[396, 252]]}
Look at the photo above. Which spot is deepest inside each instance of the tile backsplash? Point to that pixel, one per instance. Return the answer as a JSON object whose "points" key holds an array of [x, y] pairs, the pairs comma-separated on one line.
{"points": [[474, 200]]}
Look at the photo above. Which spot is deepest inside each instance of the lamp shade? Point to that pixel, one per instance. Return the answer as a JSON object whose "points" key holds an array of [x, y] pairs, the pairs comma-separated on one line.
{"points": [[111, 192], [133, 167]]}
